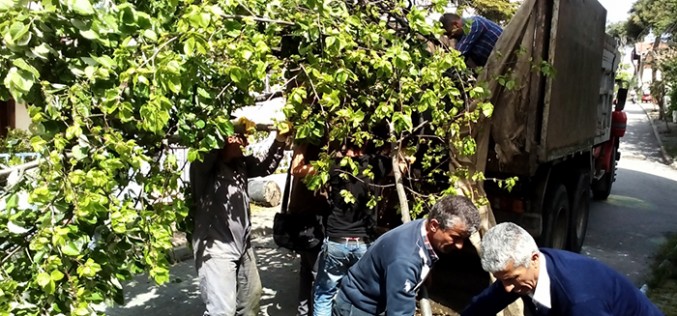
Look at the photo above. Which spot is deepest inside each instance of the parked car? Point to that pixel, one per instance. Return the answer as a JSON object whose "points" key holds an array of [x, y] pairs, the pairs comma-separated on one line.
{"points": [[646, 98]]}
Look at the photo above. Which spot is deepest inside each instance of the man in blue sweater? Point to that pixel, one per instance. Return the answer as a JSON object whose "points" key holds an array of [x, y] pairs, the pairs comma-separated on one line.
{"points": [[550, 281], [386, 278]]}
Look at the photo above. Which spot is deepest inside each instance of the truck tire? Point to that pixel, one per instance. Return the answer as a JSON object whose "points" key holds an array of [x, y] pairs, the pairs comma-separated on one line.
{"points": [[580, 212], [601, 188], [556, 214]]}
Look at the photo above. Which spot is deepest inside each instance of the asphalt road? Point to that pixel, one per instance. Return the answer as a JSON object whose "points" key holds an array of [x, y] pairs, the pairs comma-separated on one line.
{"points": [[627, 229], [624, 232]]}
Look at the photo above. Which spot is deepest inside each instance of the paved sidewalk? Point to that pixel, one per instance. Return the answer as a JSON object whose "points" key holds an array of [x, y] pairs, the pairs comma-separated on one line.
{"points": [[639, 141], [665, 131]]}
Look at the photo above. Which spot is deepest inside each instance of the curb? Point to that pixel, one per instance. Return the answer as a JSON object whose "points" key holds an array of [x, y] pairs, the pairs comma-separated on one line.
{"points": [[666, 158]]}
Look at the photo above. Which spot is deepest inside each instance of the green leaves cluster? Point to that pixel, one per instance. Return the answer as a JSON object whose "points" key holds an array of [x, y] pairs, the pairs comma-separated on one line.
{"points": [[115, 86]]}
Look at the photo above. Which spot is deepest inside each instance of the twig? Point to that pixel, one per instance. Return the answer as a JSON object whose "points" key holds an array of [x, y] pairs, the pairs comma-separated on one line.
{"points": [[312, 85], [268, 96], [10, 254], [258, 19], [21, 167], [157, 51]]}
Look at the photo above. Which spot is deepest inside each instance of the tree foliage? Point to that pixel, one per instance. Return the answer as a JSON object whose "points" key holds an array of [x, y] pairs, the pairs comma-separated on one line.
{"points": [[115, 85], [659, 16], [499, 11]]}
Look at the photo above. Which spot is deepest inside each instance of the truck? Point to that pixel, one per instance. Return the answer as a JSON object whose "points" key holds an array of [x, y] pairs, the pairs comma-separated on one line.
{"points": [[570, 122]]}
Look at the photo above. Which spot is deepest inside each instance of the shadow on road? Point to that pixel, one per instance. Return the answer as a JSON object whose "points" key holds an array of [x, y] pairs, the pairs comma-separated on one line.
{"points": [[626, 230], [181, 297]]}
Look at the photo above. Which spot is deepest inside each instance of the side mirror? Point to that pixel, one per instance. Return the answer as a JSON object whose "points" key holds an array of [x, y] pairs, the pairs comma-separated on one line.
{"points": [[621, 97]]}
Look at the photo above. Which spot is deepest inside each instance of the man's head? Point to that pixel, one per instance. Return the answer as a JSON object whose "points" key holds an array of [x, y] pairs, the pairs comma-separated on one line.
{"points": [[512, 256], [452, 24], [234, 146], [450, 222]]}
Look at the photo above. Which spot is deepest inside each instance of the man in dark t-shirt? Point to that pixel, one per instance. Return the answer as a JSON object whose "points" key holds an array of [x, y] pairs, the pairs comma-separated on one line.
{"points": [[350, 221]]}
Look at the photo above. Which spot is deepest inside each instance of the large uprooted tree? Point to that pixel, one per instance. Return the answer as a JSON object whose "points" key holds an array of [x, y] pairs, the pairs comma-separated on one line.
{"points": [[115, 86]]}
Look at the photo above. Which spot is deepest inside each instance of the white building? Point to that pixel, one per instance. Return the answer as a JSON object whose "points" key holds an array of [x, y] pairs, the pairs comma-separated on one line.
{"points": [[13, 115]]}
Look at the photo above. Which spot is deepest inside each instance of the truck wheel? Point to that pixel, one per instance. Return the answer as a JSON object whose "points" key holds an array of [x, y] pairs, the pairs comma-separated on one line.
{"points": [[601, 189], [556, 215], [580, 211]]}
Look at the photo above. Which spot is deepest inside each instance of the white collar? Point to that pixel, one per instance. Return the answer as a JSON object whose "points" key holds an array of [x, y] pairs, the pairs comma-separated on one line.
{"points": [[541, 294]]}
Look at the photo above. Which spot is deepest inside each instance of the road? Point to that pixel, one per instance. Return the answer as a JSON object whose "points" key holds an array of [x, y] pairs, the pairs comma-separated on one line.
{"points": [[623, 232], [627, 229]]}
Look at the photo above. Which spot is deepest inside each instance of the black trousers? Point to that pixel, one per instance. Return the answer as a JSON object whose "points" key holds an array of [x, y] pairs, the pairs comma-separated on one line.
{"points": [[307, 273]]}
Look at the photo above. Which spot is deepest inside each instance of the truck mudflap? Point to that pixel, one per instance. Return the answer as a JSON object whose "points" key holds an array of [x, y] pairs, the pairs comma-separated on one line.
{"points": [[619, 123], [603, 154]]}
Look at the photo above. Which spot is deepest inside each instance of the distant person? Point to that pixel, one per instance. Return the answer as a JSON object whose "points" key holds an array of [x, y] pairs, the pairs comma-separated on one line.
{"points": [[477, 43], [388, 276], [550, 281], [229, 281]]}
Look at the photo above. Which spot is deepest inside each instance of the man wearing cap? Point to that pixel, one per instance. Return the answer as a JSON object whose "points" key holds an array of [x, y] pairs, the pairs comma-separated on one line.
{"points": [[228, 278]]}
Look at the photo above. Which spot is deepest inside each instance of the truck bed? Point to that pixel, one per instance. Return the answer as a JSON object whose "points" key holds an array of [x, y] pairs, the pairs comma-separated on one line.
{"points": [[559, 114]]}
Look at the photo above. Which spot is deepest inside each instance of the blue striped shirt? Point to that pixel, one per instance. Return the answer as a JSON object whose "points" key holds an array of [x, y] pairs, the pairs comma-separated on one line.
{"points": [[480, 40]]}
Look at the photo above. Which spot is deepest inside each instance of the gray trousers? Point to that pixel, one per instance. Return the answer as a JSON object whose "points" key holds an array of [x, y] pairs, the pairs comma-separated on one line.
{"points": [[229, 286]]}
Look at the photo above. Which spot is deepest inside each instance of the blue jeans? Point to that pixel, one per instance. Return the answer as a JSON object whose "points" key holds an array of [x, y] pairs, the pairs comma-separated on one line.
{"points": [[334, 262]]}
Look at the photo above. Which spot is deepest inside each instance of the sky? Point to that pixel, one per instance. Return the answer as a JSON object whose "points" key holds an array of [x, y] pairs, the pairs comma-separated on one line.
{"points": [[617, 10]]}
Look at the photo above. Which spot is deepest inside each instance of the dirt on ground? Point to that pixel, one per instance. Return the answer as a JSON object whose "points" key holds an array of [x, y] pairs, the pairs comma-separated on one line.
{"points": [[667, 130]]}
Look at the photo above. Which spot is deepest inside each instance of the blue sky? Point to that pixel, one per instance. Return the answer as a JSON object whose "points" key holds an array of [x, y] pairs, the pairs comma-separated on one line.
{"points": [[617, 10]]}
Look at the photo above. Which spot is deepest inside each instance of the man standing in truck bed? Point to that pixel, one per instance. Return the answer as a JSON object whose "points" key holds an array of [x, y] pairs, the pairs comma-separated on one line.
{"points": [[476, 43]]}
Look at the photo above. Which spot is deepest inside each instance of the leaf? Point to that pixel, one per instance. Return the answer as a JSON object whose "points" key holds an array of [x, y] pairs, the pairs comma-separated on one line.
{"points": [[402, 122], [200, 124], [19, 82], [43, 279], [487, 109], [105, 61], [81, 7], [151, 35], [19, 62], [42, 51], [12, 201], [79, 152], [16, 229], [17, 31], [193, 154], [236, 74], [56, 275], [6, 5], [89, 34], [70, 249]]}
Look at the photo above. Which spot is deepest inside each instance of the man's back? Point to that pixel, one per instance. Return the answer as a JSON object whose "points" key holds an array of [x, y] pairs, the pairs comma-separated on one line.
{"points": [[479, 40], [584, 286], [578, 286], [388, 275]]}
